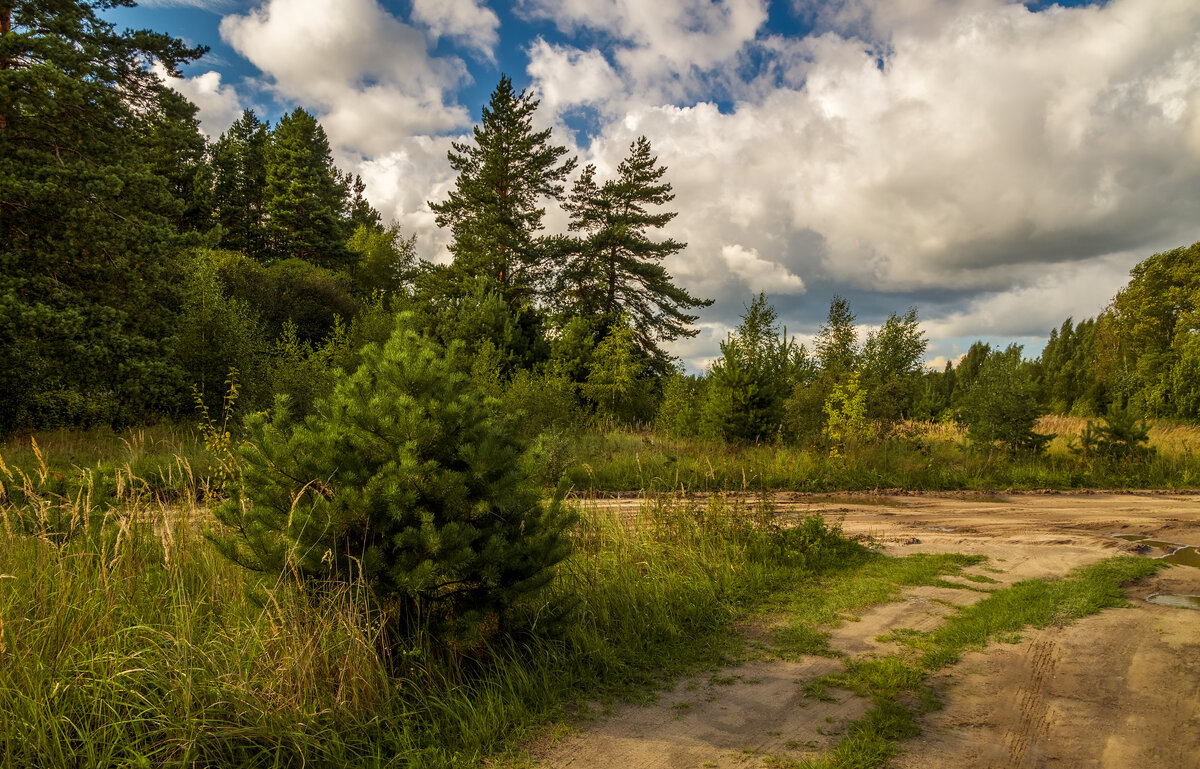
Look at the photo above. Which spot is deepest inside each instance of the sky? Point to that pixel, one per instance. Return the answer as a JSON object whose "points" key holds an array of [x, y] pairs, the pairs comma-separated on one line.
{"points": [[998, 165]]}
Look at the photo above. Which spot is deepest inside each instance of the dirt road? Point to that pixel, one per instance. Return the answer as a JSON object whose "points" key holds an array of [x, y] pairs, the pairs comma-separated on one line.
{"points": [[1116, 690]]}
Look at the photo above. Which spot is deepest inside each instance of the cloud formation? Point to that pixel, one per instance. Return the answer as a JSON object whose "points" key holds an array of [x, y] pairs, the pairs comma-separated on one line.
{"points": [[368, 75], [758, 274], [218, 103], [922, 146], [567, 77], [469, 22], [663, 48]]}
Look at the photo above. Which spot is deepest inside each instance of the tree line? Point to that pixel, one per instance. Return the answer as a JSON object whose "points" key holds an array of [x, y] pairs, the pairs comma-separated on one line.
{"points": [[147, 270]]}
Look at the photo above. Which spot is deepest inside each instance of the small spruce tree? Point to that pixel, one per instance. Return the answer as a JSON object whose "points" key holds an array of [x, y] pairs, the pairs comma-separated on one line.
{"points": [[409, 479]]}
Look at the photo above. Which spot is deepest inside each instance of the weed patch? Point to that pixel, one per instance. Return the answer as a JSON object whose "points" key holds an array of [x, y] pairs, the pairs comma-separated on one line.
{"points": [[137, 644]]}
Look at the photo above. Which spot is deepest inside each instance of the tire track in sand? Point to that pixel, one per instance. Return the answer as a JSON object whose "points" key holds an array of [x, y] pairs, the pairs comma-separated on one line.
{"points": [[1032, 725]]}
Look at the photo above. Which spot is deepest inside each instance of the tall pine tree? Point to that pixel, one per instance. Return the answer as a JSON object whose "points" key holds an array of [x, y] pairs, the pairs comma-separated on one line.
{"points": [[87, 243], [239, 160], [495, 210], [178, 153], [616, 269], [306, 197]]}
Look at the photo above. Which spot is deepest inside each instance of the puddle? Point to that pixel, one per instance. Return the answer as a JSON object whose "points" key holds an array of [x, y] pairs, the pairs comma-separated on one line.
{"points": [[1182, 555], [1170, 599]]}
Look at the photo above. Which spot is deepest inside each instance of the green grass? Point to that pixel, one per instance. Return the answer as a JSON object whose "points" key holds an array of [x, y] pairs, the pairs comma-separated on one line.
{"points": [[861, 581], [619, 461], [126, 640], [895, 682], [170, 459]]}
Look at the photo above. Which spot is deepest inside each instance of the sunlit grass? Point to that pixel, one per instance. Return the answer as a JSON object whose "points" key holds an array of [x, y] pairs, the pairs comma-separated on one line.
{"points": [[914, 456], [126, 640]]}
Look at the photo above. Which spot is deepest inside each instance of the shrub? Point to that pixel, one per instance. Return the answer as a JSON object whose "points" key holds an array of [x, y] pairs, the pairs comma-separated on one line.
{"points": [[408, 479], [1121, 436]]}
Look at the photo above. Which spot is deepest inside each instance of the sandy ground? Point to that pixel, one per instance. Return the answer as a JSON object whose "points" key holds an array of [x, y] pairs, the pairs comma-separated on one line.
{"points": [[1117, 690]]}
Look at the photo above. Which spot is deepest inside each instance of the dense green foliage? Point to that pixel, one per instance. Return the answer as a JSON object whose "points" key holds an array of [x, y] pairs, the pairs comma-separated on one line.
{"points": [[1142, 352], [999, 405], [405, 479], [87, 275], [750, 380], [108, 188]]}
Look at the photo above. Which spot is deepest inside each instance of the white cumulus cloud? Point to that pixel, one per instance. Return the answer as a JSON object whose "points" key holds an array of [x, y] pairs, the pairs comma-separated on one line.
{"points": [[661, 45], [759, 274], [567, 77], [218, 103], [368, 75], [469, 22]]}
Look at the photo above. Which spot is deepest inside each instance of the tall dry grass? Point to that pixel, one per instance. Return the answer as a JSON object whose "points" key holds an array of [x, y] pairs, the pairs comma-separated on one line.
{"points": [[127, 640]]}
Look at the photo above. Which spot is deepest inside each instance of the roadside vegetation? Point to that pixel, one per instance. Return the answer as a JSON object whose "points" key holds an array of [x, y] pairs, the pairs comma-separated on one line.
{"points": [[276, 492], [129, 640]]}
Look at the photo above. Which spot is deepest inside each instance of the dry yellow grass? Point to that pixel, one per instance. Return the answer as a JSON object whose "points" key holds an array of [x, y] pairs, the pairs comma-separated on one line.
{"points": [[1167, 437]]}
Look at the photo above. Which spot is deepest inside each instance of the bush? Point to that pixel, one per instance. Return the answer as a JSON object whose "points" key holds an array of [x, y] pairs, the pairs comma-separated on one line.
{"points": [[408, 479], [1121, 437]]}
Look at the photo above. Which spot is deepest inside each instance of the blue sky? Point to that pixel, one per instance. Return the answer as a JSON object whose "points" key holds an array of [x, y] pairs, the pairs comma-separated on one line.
{"points": [[999, 165]]}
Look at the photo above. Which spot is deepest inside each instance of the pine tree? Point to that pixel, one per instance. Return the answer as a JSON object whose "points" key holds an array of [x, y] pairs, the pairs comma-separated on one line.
{"points": [[409, 479], [494, 212], [239, 160], [359, 212], [178, 153], [615, 270], [1000, 403], [753, 376], [87, 274], [306, 203], [613, 373]]}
